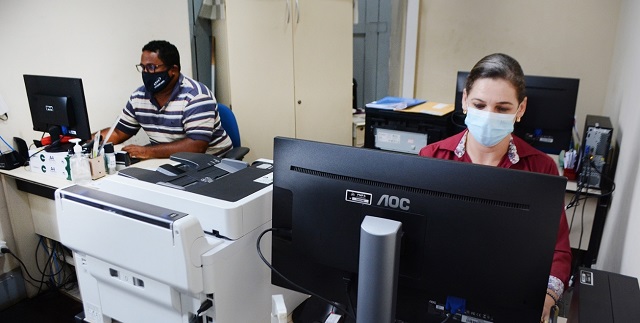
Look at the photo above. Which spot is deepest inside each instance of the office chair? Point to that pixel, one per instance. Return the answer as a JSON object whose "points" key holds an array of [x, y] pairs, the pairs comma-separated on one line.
{"points": [[230, 125]]}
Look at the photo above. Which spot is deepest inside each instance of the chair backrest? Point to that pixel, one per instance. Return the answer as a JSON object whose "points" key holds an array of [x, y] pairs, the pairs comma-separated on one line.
{"points": [[229, 124]]}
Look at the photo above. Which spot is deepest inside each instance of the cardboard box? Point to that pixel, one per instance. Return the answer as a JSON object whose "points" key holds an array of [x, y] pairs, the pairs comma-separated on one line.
{"points": [[56, 164]]}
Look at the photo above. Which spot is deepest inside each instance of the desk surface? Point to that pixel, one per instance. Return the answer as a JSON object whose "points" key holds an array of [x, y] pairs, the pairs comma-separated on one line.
{"points": [[31, 209], [24, 173], [30, 199]]}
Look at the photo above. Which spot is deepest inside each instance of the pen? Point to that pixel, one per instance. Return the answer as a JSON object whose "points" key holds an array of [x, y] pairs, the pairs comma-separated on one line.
{"points": [[109, 133]]}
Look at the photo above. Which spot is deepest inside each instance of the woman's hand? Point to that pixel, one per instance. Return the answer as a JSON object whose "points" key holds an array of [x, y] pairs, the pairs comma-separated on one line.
{"points": [[549, 302]]}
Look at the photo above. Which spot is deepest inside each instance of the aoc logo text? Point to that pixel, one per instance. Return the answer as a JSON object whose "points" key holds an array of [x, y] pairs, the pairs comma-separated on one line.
{"points": [[394, 202]]}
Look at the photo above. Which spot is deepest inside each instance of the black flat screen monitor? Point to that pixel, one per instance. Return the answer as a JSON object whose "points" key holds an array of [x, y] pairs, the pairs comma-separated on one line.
{"points": [[479, 233], [551, 107], [58, 106]]}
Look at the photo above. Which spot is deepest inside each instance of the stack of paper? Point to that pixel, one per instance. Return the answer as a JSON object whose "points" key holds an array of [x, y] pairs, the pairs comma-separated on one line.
{"points": [[394, 103], [433, 108]]}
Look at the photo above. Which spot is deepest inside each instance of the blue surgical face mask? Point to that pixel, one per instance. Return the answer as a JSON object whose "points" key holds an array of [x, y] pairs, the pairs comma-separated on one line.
{"points": [[489, 128]]}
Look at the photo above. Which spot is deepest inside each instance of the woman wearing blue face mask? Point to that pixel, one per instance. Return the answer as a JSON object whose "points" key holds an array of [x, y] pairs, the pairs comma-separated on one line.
{"points": [[493, 100]]}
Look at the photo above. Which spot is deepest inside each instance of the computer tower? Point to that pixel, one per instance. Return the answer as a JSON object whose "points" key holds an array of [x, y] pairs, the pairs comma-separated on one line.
{"points": [[596, 145], [600, 296]]}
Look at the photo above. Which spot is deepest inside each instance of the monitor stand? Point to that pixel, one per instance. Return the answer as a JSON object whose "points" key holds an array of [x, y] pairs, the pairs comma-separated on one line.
{"points": [[378, 268], [56, 146]]}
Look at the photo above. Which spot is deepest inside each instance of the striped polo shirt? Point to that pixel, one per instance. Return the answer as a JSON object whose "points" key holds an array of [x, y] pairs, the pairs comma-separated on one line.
{"points": [[191, 112]]}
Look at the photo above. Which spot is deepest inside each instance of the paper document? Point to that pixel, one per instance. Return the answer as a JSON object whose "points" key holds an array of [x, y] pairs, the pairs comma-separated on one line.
{"points": [[394, 103], [433, 108]]}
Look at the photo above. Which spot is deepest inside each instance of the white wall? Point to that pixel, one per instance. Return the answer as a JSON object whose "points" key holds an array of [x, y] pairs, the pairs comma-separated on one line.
{"points": [[98, 41], [569, 38], [618, 251], [596, 41]]}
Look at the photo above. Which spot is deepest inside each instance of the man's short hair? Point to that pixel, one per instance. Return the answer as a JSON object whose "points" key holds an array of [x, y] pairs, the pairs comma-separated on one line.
{"points": [[167, 52]]}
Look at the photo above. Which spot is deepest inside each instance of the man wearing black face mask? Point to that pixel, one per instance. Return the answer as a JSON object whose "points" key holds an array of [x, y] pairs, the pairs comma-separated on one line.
{"points": [[177, 113]]}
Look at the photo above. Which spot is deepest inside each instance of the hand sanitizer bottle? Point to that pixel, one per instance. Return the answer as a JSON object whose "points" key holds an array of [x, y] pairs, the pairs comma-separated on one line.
{"points": [[80, 169]]}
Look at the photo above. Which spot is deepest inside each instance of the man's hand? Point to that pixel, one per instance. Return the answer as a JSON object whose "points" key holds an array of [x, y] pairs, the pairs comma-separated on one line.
{"points": [[165, 150], [140, 152]]}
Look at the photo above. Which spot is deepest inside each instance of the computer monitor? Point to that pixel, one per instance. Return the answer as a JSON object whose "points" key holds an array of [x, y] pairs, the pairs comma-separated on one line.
{"points": [[58, 106], [479, 233], [551, 107]]}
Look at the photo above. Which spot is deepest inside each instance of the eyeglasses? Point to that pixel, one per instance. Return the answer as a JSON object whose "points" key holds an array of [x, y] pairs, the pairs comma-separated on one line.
{"points": [[151, 68]]}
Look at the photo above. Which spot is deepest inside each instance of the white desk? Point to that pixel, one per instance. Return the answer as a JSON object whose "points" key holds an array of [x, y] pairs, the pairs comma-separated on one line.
{"points": [[32, 212], [38, 189], [582, 225], [580, 229]]}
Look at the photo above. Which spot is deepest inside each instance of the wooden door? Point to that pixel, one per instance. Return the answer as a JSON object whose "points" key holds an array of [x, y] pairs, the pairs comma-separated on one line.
{"points": [[323, 60], [260, 54]]}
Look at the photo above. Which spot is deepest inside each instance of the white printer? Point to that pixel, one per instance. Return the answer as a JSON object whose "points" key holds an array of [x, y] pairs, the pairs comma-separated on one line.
{"points": [[176, 245]]}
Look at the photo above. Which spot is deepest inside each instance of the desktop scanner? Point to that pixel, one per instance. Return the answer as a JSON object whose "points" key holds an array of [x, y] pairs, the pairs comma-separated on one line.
{"points": [[204, 174], [146, 251]]}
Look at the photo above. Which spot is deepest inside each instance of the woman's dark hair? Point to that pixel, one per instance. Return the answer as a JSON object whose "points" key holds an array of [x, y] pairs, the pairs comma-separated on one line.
{"points": [[167, 52], [498, 66]]}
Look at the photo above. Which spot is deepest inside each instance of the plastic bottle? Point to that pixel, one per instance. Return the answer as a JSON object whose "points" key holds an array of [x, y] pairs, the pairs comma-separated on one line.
{"points": [[80, 169], [109, 159]]}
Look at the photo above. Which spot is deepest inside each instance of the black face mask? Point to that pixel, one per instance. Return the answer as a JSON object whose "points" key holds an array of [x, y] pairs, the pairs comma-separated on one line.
{"points": [[156, 82]]}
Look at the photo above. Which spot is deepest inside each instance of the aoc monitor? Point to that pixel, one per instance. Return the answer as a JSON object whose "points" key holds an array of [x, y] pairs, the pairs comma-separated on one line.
{"points": [[472, 233], [549, 120], [58, 106]]}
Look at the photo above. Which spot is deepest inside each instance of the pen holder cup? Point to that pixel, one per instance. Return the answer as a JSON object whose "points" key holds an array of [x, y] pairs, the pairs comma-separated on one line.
{"points": [[570, 174], [97, 167]]}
